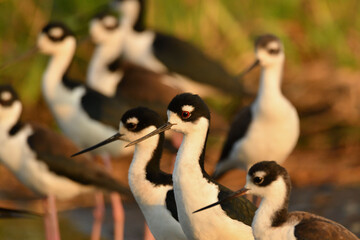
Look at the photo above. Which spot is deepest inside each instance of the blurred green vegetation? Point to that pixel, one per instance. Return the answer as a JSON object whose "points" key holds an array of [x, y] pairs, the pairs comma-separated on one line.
{"points": [[225, 29]]}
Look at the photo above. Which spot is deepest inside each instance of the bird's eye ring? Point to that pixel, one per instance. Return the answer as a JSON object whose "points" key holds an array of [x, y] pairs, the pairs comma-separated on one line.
{"points": [[185, 114]]}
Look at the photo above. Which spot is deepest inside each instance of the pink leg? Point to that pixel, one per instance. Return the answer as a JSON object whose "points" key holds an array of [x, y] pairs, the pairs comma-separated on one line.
{"points": [[50, 219], [118, 209], [98, 213], [147, 233], [118, 215]]}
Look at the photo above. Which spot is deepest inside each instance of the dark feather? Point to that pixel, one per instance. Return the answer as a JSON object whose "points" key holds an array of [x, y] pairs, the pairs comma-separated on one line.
{"points": [[54, 150], [313, 227], [104, 109], [171, 204], [238, 129], [145, 85], [183, 58], [238, 208], [98, 106]]}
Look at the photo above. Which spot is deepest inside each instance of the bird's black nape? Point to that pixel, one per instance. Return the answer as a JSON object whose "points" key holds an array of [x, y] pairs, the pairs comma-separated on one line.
{"points": [[263, 40], [200, 107]]}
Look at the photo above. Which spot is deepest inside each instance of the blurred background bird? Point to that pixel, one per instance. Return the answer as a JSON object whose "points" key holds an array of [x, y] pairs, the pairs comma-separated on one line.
{"points": [[320, 78]]}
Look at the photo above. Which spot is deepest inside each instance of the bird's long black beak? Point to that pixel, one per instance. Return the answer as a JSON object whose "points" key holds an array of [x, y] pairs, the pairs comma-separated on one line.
{"points": [[161, 129], [113, 138], [231, 196], [252, 66]]}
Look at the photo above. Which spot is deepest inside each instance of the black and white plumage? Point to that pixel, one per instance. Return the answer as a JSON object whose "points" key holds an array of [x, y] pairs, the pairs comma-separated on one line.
{"points": [[269, 127], [112, 75], [83, 114], [161, 53], [151, 187], [40, 158], [272, 220], [189, 115]]}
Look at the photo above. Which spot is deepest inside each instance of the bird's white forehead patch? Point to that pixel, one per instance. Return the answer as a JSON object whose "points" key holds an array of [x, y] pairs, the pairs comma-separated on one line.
{"points": [[133, 120], [273, 45], [6, 96], [187, 108], [109, 21], [56, 32], [260, 174]]}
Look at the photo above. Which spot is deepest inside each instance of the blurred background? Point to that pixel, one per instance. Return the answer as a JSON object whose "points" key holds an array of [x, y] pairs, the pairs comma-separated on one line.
{"points": [[321, 78]]}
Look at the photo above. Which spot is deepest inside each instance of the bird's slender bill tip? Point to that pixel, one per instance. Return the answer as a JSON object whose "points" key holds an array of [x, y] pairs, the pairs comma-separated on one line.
{"points": [[161, 129], [238, 193], [251, 67], [113, 138]]}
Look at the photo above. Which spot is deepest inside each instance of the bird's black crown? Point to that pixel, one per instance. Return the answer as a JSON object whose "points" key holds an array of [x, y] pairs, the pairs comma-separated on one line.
{"points": [[145, 116], [264, 40], [272, 172], [52, 25], [103, 14], [200, 107]]}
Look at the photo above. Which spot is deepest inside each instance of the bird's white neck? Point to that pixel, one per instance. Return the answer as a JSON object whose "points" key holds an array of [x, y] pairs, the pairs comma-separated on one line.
{"points": [[99, 76], [131, 13], [191, 149], [191, 186], [142, 155], [9, 117], [270, 82], [275, 200], [55, 70]]}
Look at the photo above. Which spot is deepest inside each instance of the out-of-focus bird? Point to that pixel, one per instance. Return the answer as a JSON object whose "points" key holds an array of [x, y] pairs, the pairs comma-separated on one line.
{"points": [[83, 114], [110, 74], [269, 127], [272, 220], [40, 159], [164, 53]]}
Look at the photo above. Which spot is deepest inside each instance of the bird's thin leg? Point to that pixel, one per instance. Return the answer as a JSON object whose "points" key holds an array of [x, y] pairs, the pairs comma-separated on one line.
{"points": [[118, 209], [98, 213], [50, 219], [147, 233]]}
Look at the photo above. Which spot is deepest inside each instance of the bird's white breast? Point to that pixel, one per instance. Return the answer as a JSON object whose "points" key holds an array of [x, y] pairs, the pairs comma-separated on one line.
{"points": [[151, 200], [272, 134]]}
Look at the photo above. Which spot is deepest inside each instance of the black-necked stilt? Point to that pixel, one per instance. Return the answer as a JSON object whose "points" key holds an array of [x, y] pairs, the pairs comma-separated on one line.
{"points": [[77, 108], [269, 127], [272, 220], [111, 75], [151, 187], [40, 159], [161, 53], [189, 115], [83, 114]]}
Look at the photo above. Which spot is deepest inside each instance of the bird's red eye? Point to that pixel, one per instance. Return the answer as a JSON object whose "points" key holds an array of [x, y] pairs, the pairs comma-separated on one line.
{"points": [[185, 114]]}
